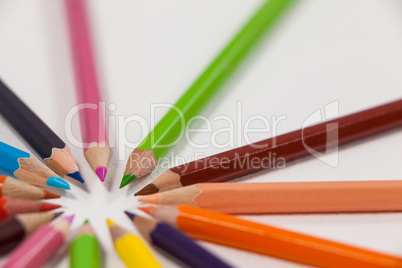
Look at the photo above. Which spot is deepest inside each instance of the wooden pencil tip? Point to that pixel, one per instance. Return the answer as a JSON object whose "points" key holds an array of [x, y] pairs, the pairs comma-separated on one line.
{"points": [[48, 206], [127, 179], [110, 222], [76, 176], [101, 172], [50, 195], [151, 199], [130, 215], [149, 189], [146, 209], [57, 214]]}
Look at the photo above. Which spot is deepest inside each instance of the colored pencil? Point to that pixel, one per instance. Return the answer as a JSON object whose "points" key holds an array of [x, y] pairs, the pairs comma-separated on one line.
{"points": [[41, 245], [27, 168], [165, 134], [93, 128], [291, 146], [286, 197], [37, 134], [85, 250], [10, 187], [175, 244], [16, 228], [132, 250], [235, 232], [10, 206]]}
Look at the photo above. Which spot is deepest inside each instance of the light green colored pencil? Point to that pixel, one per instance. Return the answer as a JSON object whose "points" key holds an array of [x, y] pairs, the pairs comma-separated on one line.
{"points": [[145, 158], [85, 249]]}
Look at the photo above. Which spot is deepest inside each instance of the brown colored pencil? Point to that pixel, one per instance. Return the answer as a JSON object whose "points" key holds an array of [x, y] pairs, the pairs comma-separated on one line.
{"points": [[286, 197], [10, 187], [11, 206], [16, 228], [294, 145]]}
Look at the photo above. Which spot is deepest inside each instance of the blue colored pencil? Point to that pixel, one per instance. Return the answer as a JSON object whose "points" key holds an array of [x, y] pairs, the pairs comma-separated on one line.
{"points": [[27, 168], [175, 244]]}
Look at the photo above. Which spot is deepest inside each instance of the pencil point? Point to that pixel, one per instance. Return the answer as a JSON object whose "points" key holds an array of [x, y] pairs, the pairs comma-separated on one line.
{"points": [[149, 189], [50, 195], [58, 183], [101, 172], [127, 179], [110, 222], [69, 218], [48, 206], [57, 214], [76, 176], [86, 221], [151, 199], [130, 215], [146, 209]]}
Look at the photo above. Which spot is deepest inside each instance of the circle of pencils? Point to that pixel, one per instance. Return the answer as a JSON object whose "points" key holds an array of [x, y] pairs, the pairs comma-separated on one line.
{"points": [[37, 134], [131, 249], [27, 168], [175, 244], [16, 228], [291, 146], [93, 128], [235, 232], [10, 206], [85, 248], [11, 187], [41, 245], [144, 159], [286, 197]]}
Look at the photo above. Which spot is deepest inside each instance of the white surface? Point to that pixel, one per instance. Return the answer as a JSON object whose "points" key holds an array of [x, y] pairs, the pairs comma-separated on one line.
{"points": [[151, 51]]}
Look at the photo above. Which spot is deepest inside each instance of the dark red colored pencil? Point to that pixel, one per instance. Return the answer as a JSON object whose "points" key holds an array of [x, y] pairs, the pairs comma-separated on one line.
{"points": [[254, 157], [16, 228]]}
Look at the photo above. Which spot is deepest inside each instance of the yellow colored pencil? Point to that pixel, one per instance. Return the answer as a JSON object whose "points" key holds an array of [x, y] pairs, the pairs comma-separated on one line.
{"points": [[132, 250]]}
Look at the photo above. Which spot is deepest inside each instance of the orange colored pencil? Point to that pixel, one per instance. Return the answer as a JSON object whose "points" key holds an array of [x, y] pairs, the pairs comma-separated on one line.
{"points": [[286, 197], [11, 206], [235, 232]]}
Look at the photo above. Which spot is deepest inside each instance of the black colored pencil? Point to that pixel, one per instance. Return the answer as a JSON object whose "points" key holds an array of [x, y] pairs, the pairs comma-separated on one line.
{"points": [[37, 134]]}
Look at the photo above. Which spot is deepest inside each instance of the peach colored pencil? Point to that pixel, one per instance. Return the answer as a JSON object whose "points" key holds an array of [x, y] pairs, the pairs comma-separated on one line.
{"points": [[286, 197]]}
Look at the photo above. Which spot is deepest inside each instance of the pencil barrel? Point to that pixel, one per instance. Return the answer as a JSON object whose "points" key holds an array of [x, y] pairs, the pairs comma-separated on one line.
{"points": [[85, 252]]}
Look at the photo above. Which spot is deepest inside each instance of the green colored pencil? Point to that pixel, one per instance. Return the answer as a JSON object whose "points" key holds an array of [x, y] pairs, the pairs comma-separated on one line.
{"points": [[85, 249], [145, 158]]}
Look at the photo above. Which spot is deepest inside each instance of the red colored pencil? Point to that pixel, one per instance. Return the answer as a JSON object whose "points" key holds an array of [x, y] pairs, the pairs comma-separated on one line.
{"points": [[11, 206]]}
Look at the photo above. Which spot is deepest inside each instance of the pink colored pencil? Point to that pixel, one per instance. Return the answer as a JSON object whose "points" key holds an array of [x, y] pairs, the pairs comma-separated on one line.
{"points": [[93, 128], [41, 245]]}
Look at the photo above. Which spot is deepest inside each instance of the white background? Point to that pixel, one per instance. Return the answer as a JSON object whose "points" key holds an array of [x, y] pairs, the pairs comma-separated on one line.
{"points": [[151, 51]]}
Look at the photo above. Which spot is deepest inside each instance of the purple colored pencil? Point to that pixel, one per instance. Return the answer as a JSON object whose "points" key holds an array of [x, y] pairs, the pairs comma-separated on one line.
{"points": [[175, 244]]}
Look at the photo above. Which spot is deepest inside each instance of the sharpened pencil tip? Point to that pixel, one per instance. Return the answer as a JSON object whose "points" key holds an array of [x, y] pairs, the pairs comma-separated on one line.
{"points": [[146, 209], [69, 218], [57, 214], [48, 206], [110, 222], [50, 195], [127, 179], [149, 189], [86, 221], [151, 199], [58, 183], [101, 172], [130, 215], [76, 176]]}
